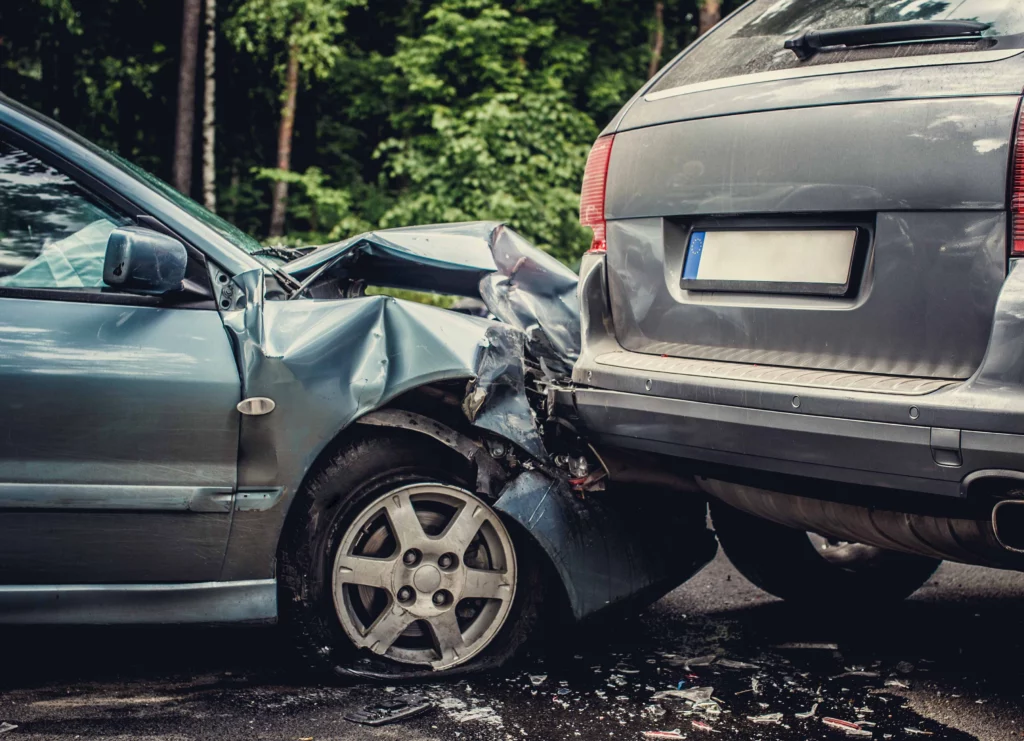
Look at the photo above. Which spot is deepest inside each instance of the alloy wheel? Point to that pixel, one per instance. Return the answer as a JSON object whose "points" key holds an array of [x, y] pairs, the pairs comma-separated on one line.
{"points": [[425, 574]]}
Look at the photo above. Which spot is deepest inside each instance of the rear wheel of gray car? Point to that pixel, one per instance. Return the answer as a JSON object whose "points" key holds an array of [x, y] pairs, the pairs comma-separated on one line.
{"points": [[391, 566], [803, 567]]}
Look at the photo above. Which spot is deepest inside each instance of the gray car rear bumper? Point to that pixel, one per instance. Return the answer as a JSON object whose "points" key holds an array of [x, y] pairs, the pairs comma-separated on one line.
{"points": [[877, 454]]}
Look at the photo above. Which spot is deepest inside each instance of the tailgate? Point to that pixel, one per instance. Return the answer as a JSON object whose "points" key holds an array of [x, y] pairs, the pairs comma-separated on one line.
{"points": [[921, 183]]}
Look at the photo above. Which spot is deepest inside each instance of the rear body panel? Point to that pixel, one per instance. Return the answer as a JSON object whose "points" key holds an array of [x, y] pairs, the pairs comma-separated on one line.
{"points": [[913, 380], [923, 180], [929, 286]]}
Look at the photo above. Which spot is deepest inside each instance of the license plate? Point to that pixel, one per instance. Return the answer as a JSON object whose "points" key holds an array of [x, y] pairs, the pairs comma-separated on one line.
{"points": [[809, 261]]}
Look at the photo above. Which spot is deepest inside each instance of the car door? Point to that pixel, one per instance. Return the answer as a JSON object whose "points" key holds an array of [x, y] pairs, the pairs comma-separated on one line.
{"points": [[118, 427]]}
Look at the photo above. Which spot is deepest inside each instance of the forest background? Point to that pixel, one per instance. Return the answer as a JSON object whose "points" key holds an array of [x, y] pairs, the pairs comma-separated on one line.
{"points": [[306, 121]]}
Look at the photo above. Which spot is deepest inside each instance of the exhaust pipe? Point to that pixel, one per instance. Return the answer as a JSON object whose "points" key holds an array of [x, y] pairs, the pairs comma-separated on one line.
{"points": [[994, 539], [1008, 524]]}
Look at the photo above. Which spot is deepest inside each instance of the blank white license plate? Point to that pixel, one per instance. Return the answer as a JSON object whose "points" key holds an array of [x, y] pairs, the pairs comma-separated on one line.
{"points": [[808, 261]]}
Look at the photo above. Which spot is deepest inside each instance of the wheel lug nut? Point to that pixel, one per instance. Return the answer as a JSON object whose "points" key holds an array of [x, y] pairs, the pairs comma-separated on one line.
{"points": [[411, 557], [446, 561], [440, 598], [405, 594]]}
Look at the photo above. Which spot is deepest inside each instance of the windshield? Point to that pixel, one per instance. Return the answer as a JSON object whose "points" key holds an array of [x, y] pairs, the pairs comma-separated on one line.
{"points": [[751, 41]]}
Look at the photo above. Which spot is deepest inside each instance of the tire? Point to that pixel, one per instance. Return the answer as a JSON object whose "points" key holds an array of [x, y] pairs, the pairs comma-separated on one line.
{"points": [[389, 496], [788, 564]]}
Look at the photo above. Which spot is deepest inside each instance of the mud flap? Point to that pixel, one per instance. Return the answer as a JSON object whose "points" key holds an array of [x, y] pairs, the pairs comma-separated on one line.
{"points": [[618, 548]]}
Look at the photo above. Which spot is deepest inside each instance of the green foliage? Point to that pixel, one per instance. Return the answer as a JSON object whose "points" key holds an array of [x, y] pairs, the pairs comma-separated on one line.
{"points": [[443, 301], [484, 126], [328, 211], [270, 28], [411, 111]]}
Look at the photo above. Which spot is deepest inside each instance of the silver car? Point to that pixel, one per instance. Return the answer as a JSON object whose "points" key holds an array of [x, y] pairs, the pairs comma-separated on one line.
{"points": [[805, 292]]}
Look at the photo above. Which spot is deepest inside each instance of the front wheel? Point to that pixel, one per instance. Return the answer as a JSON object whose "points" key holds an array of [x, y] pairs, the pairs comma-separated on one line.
{"points": [[393, 567], [804, 567]]}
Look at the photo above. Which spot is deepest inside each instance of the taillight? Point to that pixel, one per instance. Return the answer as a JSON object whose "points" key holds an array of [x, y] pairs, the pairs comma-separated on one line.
{"points": [[595, 177]]}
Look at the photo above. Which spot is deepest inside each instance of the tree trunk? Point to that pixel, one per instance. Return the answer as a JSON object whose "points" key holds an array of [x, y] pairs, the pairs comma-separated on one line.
{"points": [[284, 143], [710, 14], [209, 107], [658, 44], [186, 96]]}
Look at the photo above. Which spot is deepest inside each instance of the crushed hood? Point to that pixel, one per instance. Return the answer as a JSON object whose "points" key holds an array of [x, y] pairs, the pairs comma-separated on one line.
{"points": [[521, 285]]}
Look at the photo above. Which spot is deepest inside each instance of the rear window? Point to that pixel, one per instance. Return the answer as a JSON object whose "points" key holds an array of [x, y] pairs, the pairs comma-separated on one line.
{"points": [[752, 39]]}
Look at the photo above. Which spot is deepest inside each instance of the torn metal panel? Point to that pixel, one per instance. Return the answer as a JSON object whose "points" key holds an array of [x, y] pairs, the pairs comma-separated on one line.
{"points": [[496, 398], [532, 291], [612, 548], [521, 285], [446, 258]]}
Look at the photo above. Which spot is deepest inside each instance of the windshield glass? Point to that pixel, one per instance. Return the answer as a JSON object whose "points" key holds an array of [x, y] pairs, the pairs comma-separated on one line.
{"points": [[751, 41]]}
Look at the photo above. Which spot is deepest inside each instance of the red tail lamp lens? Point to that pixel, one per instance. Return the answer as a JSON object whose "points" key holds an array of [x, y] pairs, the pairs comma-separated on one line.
{"points": [[595, 178]]}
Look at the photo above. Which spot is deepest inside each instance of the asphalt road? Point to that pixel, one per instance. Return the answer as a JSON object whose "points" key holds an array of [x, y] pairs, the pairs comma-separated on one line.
{"points": [[946, 663]]}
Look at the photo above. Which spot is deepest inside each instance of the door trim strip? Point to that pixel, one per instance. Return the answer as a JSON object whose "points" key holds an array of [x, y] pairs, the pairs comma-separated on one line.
{"points": [[139, 604], [116, 497]]}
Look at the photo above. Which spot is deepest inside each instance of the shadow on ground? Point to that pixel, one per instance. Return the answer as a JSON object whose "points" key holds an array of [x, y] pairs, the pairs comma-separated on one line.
{"points": [[854, 662]]}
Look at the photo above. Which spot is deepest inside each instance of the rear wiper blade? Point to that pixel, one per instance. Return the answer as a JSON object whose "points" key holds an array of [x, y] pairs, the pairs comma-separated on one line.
{"points": [[810, 43]]}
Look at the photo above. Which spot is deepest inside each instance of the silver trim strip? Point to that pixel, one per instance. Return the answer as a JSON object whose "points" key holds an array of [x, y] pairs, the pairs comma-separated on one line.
{"points": [[128, 604], [867, 65], [778, 375], [116, 497], [257, 500]]}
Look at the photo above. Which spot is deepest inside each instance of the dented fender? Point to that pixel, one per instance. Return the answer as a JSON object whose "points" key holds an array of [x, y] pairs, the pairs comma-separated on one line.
{"points": [[613, 549]]}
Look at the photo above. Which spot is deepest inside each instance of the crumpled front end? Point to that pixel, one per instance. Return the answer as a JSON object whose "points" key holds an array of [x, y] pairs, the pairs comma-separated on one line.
{"points": [[331, 356]]}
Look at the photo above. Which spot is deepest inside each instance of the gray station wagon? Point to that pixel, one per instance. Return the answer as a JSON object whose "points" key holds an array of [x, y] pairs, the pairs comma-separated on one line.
{"points": [[200, 429], [805, 291]]}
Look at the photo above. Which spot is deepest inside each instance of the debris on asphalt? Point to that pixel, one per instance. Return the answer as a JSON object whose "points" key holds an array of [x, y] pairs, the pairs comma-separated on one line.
{"points": [[766, 718], [905, 667], [699, 662], [917, 732], [857, 673], [708, 708], [702, 726], [392, 710], [538, 679], [7, 727], [809, 714], [696, 661], [693, 694], [805, 646], [850, 729], [733, 664], [897, 683], [663, 734]]}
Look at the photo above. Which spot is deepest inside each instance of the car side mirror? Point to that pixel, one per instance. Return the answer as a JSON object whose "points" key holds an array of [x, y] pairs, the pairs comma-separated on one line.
{"points": [[144, 261]]}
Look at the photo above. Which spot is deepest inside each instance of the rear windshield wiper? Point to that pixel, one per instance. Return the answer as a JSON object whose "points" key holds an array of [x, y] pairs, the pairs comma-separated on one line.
{"points": [[810, 43]]}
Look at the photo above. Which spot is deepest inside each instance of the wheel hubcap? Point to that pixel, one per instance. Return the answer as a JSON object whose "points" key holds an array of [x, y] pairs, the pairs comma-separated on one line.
{"points": [[443, 604]]}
